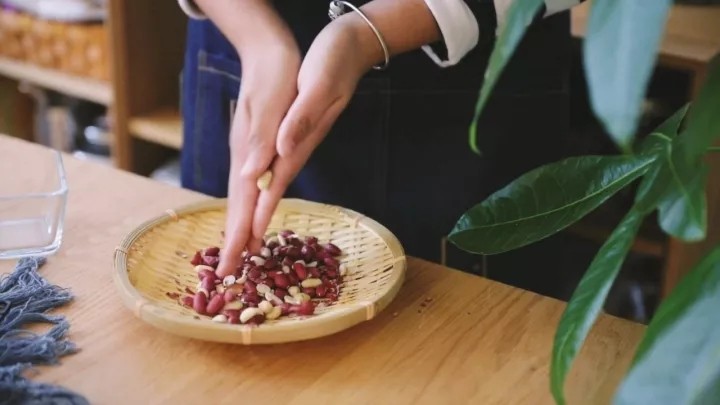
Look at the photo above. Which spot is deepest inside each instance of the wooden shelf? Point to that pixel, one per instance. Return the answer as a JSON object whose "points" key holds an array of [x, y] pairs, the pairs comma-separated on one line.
{"points": [[691, 34], [642, 245], [88, 89], [163, 127]]}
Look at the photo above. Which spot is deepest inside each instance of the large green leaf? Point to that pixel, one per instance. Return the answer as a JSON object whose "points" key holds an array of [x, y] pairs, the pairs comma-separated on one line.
{"points": [[681, 363], [587, 300], [619, 53], [703, 121], [674, 187], [544, 201], [702, 280], [518, 17], [683, 211]]}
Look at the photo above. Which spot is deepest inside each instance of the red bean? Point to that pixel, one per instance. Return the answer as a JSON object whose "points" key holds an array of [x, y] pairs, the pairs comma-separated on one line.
{"points": [[229, 296], [293, 252], [254, 273], [308, 253], [270, 274], [300, 271], [280, 293], [197, 259], [281, 280], [203, 274], [215, 305], [212, 251], [211, 261], [251, 298], [271, 264], [233, 315], [256, 320], [332, 272], [200, 302], [208, 283], [306, 308], [250, 287], [333, 249]]}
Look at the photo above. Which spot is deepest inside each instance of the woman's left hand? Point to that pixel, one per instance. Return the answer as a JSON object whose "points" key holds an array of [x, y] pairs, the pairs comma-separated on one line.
{"points": [[329, 74]]}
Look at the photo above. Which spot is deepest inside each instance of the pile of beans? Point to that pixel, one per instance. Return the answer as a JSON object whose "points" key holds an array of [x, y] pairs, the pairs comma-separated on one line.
{"points": [[290, 276]]}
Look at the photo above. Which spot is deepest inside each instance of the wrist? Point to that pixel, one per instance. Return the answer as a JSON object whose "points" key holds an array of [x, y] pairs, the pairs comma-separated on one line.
{"points": [[355, 33]]}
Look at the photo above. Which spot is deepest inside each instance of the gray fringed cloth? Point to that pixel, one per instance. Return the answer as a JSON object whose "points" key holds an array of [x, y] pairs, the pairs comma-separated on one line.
{"points": [[25, 297]]}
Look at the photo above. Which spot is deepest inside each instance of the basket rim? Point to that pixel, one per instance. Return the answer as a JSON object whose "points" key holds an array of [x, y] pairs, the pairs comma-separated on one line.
{"points": [[162, 318]]}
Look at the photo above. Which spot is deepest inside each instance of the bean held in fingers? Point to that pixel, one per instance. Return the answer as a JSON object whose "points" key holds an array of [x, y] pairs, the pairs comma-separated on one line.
{"points": [[289, 277]]}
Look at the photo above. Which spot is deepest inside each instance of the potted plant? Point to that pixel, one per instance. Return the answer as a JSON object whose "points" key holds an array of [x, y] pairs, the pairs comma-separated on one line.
{"points": [[678, 359]]}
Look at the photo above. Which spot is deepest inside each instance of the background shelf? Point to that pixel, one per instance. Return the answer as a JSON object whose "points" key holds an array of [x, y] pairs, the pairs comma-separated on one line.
{"points": [[85, 88], [163, 127]]}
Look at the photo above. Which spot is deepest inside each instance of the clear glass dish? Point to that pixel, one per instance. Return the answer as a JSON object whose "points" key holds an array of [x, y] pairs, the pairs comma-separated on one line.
{"points": [[33, 198]]}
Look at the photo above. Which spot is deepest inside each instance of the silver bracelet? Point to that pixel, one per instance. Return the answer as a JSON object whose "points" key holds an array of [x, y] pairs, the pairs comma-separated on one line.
{"points": [[337, 9]]}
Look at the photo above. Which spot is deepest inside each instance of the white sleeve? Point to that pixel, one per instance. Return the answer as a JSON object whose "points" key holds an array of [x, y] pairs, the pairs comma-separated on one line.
{"points": [[459, 29], [191, 9]]}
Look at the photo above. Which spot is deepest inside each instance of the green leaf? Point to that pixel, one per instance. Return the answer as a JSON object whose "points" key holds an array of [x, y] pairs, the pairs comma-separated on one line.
{"points": [[587, 300], [619, 53], [671, 126], [683, 211], [673, 186], [702, 280], [544, 201], [518, 18], [655, 183], [680, 358], [703, 122]]}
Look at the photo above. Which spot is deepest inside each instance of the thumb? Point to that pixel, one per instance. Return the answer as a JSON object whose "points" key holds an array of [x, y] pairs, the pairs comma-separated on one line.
{"points": [[302, 119]]}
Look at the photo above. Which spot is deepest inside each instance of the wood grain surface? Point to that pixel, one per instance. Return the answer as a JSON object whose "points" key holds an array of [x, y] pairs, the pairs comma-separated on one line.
{"points": [[476, 342]]}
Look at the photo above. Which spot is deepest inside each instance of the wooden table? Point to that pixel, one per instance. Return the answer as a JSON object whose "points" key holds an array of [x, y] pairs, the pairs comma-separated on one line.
{"points": [[477, 342]]}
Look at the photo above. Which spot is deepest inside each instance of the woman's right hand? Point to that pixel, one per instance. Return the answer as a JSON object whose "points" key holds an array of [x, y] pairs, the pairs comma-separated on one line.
{"points": [[270, 61]]}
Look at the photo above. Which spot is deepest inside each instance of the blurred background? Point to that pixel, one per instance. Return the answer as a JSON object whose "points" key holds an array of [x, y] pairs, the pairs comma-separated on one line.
{"points": [[100, 79]]}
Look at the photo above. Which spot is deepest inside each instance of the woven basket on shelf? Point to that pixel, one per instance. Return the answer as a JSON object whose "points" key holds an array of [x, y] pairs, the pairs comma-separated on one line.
{"points": [[80, 49], [154, 260]]}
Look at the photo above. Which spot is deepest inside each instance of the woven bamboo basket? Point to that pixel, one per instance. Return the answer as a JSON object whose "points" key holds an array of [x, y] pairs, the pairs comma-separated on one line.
{"points": [[154, 260]]}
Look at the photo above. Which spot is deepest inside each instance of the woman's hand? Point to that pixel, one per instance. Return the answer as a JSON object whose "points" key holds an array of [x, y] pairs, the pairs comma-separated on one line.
{"points": [[270, 64], [337, 59], [282, 115]]}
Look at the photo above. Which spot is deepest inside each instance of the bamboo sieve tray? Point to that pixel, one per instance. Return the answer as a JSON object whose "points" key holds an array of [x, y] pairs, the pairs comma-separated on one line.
{"points": [[154, 260]]}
